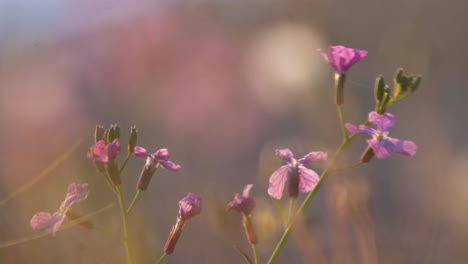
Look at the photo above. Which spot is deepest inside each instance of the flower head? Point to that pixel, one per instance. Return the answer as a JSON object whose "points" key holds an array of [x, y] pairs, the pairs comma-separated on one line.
{"points": [[104, 153], [303, 179], [44, 220], [243, 203], [380, 142], [161, 156], [341, 58], [189, 207]]}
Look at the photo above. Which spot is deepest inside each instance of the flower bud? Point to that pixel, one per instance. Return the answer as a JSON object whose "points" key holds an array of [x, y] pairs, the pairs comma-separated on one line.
{"points": [[133, 139], [379, 88], [415, 84], [98, 133], [367, 155]]}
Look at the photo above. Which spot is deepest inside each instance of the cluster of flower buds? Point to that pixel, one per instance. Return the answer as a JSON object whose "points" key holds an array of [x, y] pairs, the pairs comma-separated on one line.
{"points": [[404, 86]]}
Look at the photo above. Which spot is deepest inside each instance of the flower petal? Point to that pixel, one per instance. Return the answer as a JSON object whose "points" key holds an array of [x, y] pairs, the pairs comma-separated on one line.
{"points": [[313, 156], [44, 220], [99, 150], [189, 206], [360, 130], [383, 122], [75, 193], [141, 152], [162, 154], [170, 165], [341, 58], [113, 149], [308, 179], [284, 154], [247, 188], [404, 147], [277, 181], [380, 148]]}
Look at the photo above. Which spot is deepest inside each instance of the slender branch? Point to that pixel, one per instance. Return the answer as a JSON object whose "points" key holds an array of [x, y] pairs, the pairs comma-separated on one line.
{"points": [[125, 162], [254, 250], [342, 122], [125, 225], [135, 200], [161, 259]]}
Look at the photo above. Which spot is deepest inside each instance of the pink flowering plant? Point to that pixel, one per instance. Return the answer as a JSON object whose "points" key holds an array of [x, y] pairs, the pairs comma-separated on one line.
{"points": [[298, 180]]}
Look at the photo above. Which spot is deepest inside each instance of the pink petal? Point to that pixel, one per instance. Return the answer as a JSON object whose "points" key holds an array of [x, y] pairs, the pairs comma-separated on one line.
{"points": [[383, 122], [277, 181], [113, 149], [379, 147], [170, 165], [359, 130], [284, 154], [162, 154], [40, 221], [404, 147], [247, 188], [141, 152], [308, 179], [99, 150], [313, 156], [75, 193]]}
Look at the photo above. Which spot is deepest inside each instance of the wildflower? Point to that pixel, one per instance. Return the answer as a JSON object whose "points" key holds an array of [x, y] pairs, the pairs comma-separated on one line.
{"points": [[44, 220], [341, 59], [104, 153], [302, 179], [244, 204], [189, 207], [152, 163], [380, 143]]}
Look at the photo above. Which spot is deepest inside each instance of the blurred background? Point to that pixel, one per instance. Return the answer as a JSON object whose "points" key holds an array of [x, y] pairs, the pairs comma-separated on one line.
{"points": [[222, 84]]}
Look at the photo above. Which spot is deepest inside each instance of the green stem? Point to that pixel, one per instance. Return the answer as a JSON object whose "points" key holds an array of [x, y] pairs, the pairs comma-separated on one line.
{"points": [[309, 198], [281, 210], [125, 225], [254, 250], [291, 208], [135, 200], [161, 259], [342, 122], [125, 162]]}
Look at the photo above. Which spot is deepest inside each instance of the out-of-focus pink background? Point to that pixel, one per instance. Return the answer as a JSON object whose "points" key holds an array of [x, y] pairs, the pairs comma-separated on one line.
{"points": [[222, 84]]}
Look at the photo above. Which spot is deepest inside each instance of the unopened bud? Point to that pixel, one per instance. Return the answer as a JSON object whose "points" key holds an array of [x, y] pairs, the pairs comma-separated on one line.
{"points": [[114, 173], [415, 84], [367, 155], [98, 133], [379, 88], [133, 139]]}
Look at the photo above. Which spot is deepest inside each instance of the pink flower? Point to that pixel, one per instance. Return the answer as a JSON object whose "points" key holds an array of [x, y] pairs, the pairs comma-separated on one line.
{"points": [[243, 203], [152, 162], [44, 220], [302, 179], [103, 153], [161, 156], [341, 58], [380, 142], [189, 207]]}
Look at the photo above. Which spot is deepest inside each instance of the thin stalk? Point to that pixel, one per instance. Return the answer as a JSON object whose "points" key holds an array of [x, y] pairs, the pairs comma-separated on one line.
{"points": [[254, 250], [161, 259], [125, 162], [291, 209], [342, 122], [281, 210], [42, 175], [125, 225], [135, 200]]}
